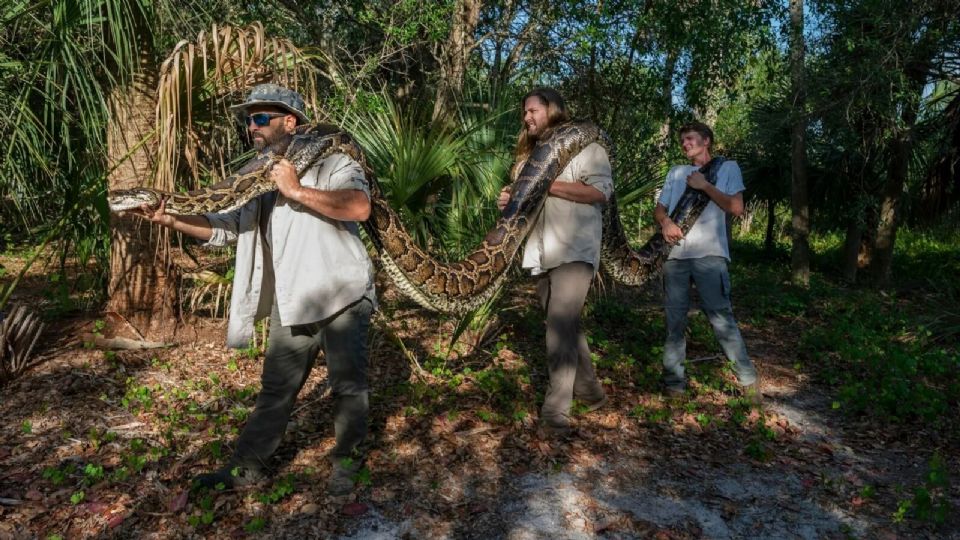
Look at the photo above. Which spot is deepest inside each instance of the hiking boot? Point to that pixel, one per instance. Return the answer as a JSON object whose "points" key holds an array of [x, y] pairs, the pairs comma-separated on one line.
{"points": [[230, 477], [674, 393], [596, 404], [549, 430], [343, 477], [752, 394]]}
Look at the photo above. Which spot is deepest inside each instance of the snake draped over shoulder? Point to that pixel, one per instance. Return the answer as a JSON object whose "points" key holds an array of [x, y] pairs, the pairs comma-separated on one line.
{"points": [[458, 286]]}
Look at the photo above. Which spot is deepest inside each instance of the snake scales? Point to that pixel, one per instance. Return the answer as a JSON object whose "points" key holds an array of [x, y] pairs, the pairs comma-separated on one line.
{"points": [[453, 287]]}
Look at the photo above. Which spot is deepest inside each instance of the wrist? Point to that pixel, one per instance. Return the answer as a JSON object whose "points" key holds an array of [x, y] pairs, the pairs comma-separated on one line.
{"points": [[296, 194]]}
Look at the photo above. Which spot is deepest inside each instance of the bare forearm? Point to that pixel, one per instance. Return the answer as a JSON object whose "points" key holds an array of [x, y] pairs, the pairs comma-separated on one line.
{"points": [[341, 204], [577, 192], [195, 226], [660, 214]]}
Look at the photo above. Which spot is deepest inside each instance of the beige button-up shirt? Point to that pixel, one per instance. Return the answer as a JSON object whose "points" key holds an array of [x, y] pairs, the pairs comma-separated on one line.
{"points": [[567, 231], [314, 265]]}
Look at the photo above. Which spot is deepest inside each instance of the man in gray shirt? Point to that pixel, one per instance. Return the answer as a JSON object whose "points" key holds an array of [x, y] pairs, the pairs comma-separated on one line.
{"points": [[300, 260], [701, 256]]}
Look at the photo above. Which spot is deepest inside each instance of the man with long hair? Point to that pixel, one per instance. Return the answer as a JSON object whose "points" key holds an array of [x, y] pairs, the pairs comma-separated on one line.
{"points": [[701, 257], [563, 251], [301, 261]]}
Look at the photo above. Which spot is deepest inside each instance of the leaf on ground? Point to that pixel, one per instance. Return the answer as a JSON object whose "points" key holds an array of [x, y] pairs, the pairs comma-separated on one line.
{"points": [[178, 502], [354, 509]]}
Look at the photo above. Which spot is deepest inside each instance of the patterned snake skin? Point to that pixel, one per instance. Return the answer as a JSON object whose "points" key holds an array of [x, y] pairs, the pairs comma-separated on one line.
{"points": [[451, 287]]}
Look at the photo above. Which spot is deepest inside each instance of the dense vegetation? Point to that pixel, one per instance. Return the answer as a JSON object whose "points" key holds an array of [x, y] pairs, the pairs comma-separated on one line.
{"points": [[843, 115]]}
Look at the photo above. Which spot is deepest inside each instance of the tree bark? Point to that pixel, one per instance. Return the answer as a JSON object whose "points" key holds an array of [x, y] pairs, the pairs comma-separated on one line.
{"points": [[456, 58], [771, 217], [851, 252], [666, 129], [143, 284], [800, 220], [900, 148]]}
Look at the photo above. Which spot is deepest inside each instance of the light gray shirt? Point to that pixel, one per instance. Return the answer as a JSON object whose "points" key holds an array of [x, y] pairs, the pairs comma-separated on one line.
{"points": [[314, 265], [567, 231], [708, 236]]}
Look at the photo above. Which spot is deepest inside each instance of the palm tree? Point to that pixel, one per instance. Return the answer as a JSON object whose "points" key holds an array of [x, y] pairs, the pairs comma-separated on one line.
{"points": [[192, 135]]}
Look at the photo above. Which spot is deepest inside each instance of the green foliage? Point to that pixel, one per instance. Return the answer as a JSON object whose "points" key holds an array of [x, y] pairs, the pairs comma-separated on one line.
{"points": [[930, 501], [255, 525], [281, 490], [441, 178], [880, 363]]}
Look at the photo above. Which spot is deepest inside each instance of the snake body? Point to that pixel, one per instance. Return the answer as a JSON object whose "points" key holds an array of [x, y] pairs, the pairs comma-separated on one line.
{"points": [[458, 286]]}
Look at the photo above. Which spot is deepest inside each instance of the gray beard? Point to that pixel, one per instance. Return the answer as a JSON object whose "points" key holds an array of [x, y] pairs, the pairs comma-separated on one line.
{"points": [[276, 145]]}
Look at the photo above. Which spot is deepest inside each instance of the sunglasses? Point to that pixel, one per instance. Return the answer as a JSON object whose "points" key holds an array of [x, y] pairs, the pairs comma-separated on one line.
{"points": [[262, 119]]}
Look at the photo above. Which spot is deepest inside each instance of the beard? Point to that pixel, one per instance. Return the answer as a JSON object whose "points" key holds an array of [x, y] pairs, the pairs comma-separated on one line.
{"points": [[276, 143]]}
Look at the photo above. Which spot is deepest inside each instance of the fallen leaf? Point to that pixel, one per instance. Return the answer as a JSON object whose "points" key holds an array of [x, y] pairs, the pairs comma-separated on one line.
{"points": [[115, 520], [355, 509], [95, 507], [178, 502]]}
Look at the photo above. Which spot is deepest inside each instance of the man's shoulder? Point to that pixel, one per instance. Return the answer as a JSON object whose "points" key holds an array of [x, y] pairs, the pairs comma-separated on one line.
{"points": [[680, 171], [593, 150], [730, 164]]}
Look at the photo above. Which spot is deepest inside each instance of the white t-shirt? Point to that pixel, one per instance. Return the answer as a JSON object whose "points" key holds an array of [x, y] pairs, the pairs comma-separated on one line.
{"points": [[708, 236]]}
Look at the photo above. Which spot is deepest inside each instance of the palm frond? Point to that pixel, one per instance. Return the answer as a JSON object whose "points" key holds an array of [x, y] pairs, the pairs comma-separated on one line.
{"points": [[199, 79]]}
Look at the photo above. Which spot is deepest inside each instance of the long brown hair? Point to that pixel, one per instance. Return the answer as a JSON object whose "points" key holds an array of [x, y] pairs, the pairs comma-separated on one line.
{"points": [[556, 114]]}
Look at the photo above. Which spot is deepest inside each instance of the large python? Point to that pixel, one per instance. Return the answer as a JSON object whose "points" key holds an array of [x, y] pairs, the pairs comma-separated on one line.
{"points": [[452, 287]]}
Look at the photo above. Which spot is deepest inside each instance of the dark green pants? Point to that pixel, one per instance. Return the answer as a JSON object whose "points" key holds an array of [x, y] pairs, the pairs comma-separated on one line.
{"points": [[290, 356]]}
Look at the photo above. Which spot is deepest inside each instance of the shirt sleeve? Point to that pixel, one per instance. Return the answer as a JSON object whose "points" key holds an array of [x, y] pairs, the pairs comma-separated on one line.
{"points": [[338, 171], [225, 227], [595, 170], [730, 178], [666, 194]]}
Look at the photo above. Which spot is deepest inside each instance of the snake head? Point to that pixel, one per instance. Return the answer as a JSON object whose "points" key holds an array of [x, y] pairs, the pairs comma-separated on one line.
{"points": [[121, 200]]}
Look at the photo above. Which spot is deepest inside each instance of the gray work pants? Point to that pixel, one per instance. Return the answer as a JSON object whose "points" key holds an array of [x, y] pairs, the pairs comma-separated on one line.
{"points": [[563, 291], [291, 353], [713, 286]]}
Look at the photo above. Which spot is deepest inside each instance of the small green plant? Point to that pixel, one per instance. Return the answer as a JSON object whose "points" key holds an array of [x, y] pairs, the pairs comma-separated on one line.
{"points": [[77, 497], [56, 476], [930, 501], [281, 489], [653, 415], [92, 473], [362, 477], [206, 515], [256, 524], [26, 427]]}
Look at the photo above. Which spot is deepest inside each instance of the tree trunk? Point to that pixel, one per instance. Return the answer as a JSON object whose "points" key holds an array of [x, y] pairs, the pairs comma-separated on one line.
{"points": [[800, 221], [901, 145], [851, 251], [456, 58], [143, 284], [666, 130], [771, 216]]}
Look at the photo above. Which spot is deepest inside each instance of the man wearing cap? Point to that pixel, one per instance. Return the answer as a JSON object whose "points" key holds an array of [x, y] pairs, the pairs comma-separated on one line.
{"points": [[300, 260]]}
